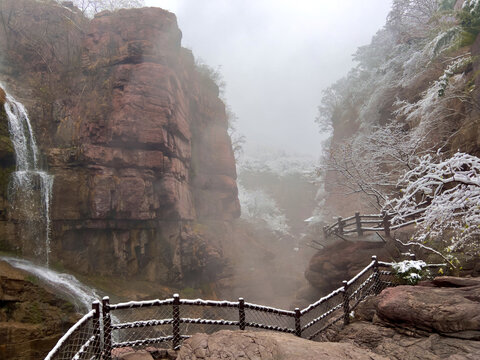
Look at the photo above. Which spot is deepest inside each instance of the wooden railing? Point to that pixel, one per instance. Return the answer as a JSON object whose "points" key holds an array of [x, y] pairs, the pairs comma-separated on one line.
{"points": [[360, 224]]}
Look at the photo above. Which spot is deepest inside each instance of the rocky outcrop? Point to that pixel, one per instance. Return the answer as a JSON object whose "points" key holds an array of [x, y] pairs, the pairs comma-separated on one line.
{"points": [[340, 261], [32, 319], [453, 311], [265, 346], [397, 345], [439, 320], [136, 137]]}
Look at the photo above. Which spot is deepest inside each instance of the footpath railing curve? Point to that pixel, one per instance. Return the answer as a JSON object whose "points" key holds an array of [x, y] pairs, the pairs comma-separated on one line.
{"points": [[360, 224], [167, 323]]}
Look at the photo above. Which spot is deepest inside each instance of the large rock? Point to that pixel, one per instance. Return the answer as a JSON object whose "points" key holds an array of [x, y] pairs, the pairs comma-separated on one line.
{"points": [[397, 345], [438, 321], [266, 346], [452, 311], [32, 319], [135, 135], [341, 261]]}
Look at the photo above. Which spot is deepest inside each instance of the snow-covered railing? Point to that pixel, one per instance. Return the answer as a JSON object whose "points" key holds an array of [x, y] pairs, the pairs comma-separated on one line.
{"points": [[360, 224], [166, 323], [82, 341]]}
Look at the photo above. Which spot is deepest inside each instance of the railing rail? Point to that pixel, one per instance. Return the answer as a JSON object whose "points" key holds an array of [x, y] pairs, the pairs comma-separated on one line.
{"points": [[82, 340], [372, 223], [167, 323]]}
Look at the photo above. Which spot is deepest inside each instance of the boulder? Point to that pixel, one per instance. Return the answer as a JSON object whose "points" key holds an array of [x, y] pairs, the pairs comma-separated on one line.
{"points": [[341, 261], [439, 321], [393, 344], [452, 311], [228, 344], [32, 318]]}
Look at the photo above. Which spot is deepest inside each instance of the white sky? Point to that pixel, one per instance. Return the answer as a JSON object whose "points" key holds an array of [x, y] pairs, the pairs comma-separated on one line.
{"points": [[276, 57]]}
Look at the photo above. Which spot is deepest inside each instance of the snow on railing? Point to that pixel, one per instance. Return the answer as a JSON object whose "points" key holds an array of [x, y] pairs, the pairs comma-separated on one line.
{"points": [[166, 323], [363, 223], [82, 340]]}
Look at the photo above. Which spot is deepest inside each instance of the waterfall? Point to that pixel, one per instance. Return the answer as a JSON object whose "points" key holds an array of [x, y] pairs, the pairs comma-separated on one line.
{"points": [[66, 285], [30, 188]]}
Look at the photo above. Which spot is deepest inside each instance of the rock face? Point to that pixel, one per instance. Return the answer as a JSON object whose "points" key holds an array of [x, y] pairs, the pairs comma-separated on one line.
{"points": [[137, 141], [437, 321], [442, 310], [265, 346], [341, 261], [31, 318]]}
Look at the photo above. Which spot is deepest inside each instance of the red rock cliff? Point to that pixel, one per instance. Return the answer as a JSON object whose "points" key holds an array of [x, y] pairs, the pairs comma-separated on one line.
{"points": [[139, 148]]}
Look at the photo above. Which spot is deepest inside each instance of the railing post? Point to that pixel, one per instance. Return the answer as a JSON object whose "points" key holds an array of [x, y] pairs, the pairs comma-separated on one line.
{"points": [[346, 303], [107, 328], [340, 226], [176, 321], [298, 325], [376, 275], [386, 223], [241, 313], [96, 328], [358, 221], [325, 232]]}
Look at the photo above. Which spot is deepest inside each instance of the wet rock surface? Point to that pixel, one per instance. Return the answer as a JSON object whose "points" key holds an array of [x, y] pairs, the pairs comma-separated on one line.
{"points": [[266, 346], [135, 135], [437, 321], [340, 261], [32, 319]]}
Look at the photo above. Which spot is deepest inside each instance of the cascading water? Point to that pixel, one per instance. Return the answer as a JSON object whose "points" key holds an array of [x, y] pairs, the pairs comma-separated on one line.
{"points": [[30, 187], [65, 285]]}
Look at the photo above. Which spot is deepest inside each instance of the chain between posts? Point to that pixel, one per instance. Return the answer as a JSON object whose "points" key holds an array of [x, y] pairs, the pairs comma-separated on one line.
{"points": [[107, 328]]}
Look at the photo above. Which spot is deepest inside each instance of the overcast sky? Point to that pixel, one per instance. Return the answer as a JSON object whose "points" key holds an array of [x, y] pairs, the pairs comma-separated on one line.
{"points": [[276, 57]]}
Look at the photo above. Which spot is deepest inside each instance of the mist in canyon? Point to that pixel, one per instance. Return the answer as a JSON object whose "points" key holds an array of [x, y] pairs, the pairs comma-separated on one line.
{"points": [[273, 59], [270, 62], [226, 149], [276, 57]]}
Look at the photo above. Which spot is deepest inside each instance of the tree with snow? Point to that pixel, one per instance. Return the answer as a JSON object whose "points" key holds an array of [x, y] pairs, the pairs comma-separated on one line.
{"points": [[449, 190], [371, 163]]}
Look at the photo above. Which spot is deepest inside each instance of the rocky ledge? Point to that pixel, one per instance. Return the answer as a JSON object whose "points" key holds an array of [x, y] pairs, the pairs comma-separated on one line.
{"points": [[436, 320], [32, 319], [439, 319]]}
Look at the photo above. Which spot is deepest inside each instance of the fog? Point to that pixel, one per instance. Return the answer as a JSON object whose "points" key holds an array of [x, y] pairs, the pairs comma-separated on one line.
{"points": [[276, 56]]}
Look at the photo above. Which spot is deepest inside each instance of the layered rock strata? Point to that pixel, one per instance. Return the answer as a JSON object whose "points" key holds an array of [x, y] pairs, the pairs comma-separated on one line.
{"points": [[439, 320], [137, 141]]}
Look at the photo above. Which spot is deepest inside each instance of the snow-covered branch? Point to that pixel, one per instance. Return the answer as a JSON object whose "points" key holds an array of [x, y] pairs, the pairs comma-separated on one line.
{"points": [[451, 188], [372, 163]]}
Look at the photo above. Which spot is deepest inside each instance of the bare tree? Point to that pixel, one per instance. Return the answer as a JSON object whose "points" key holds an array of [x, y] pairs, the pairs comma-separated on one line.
{"points": [[370, 164], [413, 18], [91, 7]]}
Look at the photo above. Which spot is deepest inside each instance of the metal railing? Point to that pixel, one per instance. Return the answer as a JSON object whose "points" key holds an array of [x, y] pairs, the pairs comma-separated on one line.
{"points": [[82, 341], [166, 323]]}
